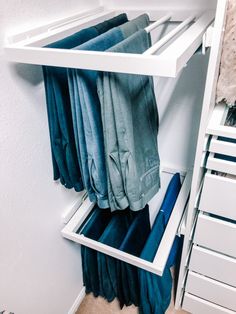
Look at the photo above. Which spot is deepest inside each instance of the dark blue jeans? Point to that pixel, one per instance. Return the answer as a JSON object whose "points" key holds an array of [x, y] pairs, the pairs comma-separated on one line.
{"points": [[65, 158], [113, 236], [93, 230], [133, 243], [155, 291]]}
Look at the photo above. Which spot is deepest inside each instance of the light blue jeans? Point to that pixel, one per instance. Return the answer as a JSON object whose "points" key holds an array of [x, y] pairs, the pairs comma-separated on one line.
{"points": [[130, 126], [87, 113]]}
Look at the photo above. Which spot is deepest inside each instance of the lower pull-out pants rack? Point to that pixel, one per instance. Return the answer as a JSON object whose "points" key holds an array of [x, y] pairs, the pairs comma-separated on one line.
{"points": [[71, 230]]}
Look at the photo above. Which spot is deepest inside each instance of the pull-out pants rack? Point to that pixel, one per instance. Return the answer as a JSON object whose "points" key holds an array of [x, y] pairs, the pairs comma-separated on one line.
{"points": [[71, 231], [180, 44]]}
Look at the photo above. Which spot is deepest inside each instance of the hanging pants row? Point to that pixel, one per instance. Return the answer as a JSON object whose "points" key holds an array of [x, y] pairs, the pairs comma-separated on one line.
{"points": [[103, 126], [103, 133], [131, 232]]}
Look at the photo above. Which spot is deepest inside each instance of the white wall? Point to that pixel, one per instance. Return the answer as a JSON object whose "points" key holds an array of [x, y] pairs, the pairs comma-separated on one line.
{"points": [[40, 272]]}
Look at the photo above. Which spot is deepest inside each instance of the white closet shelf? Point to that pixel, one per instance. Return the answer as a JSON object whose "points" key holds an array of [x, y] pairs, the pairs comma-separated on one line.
{"points": [[28, 47], [71, 232]]}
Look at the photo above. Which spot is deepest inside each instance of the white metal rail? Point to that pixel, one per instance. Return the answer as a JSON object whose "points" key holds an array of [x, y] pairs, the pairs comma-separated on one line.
{"points": [[27, 47]]}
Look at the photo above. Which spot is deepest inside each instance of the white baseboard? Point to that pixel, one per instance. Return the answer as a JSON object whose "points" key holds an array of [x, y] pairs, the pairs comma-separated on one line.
{"points": [[77, 302]]}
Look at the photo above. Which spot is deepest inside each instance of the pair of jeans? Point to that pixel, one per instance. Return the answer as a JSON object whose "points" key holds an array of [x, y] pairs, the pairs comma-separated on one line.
{"points": [[93, 229], [107, 270], [66, 161], [133, 243], [155, 291], [87, 112], [130, 126]]}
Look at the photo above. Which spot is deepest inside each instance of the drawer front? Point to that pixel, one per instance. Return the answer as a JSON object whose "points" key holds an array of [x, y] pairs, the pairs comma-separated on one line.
{"points": [[219, 196], [222, 147], [197, 305], [211, 290], [221, 165], [216, 234], [213, 265]]}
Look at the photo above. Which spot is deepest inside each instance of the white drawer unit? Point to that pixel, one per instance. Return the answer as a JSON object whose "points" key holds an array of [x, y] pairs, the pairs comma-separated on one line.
{"points": [[197, 305], [216, 234], [213, 265], [219, 196], [211, 290]]}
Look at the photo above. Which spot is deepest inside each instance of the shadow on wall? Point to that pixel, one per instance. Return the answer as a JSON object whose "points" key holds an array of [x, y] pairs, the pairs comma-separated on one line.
{"points": [[174, 87], [31, 74], [174, 95]]}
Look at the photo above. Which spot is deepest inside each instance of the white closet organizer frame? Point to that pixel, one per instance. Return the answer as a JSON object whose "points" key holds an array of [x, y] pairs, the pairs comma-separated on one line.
{"points": [[217, 129], [161, 257], [28, 47], [204, 133]]}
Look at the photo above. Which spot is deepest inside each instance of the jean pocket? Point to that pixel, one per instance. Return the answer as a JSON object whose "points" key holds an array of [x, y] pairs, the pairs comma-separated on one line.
{"points": [[115, 175], [94, 178], [149, 179], [131, 183]]}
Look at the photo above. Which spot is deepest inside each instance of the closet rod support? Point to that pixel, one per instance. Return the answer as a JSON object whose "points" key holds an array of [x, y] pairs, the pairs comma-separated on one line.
{"points": [[207, 39]]}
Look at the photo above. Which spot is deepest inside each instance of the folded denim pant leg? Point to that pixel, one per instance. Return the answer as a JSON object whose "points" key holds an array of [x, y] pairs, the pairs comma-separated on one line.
{"points": [[79, 135], [93, 230], [112, 236], [58, 134], [64, 156], [155, 291], [116, 191], [84, 82], [86, 34], [65, 119], [54, 128], [135, 25], [128, 283], [136, 119]]}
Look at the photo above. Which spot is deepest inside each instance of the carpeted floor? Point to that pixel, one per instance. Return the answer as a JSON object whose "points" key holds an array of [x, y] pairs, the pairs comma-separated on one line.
{"points": [[92, 305]]}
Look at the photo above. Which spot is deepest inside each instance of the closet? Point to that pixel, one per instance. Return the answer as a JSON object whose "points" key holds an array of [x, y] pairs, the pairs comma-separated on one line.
{"points": [[185, 53]]}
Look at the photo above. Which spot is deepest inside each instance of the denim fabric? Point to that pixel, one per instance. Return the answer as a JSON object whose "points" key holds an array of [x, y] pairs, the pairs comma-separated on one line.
{"points": [[128, 283], [85, 100], [135, 25], [66, 162], [113, 236], [89, 33], [132, 151], [155, 291], [116, 191], [93, 230]]}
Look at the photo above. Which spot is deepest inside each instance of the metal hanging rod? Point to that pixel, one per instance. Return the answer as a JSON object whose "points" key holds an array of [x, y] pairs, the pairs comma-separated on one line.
{"points": [[169, 36], [28, 47]]}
